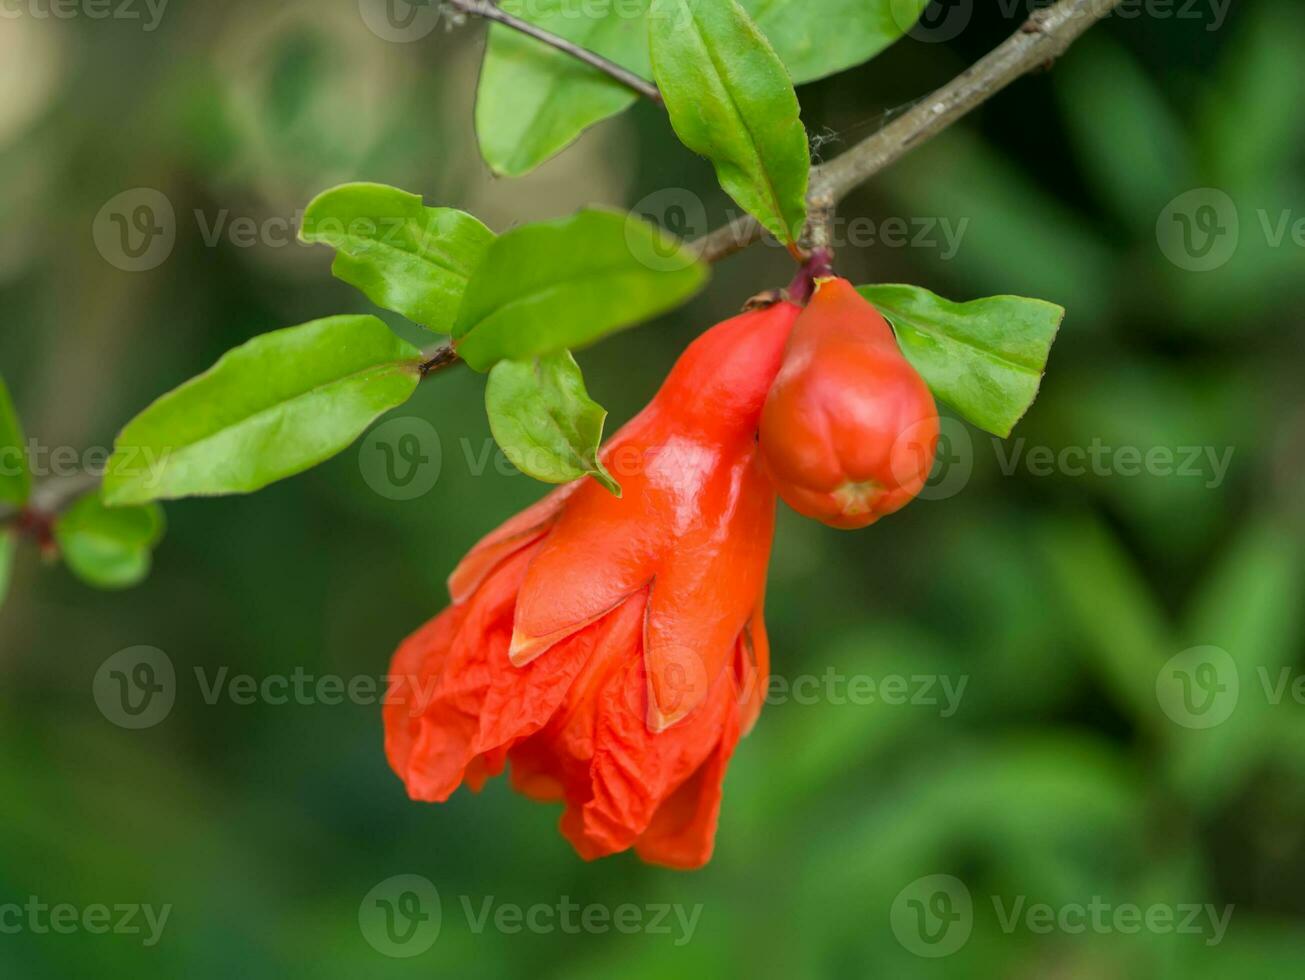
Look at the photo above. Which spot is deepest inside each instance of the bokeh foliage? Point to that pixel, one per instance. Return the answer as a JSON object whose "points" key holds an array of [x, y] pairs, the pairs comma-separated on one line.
{"points": [[1059, 597]]}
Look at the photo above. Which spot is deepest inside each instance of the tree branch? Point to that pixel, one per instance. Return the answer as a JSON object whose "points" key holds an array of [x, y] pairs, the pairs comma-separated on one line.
{"points": [[1040, 40], [491, 11]]}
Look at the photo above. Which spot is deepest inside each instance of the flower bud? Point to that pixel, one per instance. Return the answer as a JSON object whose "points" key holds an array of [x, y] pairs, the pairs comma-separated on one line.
{"points": [[849, 430]]}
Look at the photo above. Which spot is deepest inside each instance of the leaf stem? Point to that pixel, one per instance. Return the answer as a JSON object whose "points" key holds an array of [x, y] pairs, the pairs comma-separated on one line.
{"points": [[491, 11], [437, 359], [1044, 37]]}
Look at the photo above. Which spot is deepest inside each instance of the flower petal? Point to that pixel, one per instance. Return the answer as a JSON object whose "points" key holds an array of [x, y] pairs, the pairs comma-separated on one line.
{"points": [[597, 555], [682, 834], [422, 655], [703, 598], [633, 769], [443, 695]]}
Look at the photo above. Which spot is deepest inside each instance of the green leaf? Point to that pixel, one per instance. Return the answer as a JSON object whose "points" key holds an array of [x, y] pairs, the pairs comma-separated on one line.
{"points": [[984, 358], [534, 100], [404, 256], [563, 284], [818, 38], [8, 545], [15, 477], [544, 420], [274, 407], [731, 99], [108, 547]]}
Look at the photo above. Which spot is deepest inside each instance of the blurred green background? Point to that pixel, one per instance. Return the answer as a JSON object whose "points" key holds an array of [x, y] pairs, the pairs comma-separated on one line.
{"points": [[1057, 597]]}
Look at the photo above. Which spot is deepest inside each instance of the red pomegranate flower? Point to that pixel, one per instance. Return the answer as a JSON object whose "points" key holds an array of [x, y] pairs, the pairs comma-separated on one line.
{"points": [[614, 650]]}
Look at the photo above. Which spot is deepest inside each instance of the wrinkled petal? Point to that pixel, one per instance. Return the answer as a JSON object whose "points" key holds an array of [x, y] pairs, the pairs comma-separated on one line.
{"points": [[597, 555], [554, 764], [422, 655], [522, 700], [634, 769], [445, 695], [682, 834]]}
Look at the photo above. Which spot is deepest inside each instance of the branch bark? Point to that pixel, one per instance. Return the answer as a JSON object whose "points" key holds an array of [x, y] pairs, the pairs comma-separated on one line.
{"points": [[491, 11], [1044, 37]]}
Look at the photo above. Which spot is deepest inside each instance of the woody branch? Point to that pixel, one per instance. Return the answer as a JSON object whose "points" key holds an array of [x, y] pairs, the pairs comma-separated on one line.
{"points": [[1043, 38]]}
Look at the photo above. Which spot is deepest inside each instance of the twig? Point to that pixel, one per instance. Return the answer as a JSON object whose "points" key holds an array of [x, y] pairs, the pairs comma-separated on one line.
{"points": [[491, 11], [437, 359], [53, 497], [1040, 40]]}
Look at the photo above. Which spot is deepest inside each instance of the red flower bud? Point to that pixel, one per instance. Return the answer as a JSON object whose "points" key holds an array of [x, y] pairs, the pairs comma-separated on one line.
{"points": [[614, 650], [849, 430]]}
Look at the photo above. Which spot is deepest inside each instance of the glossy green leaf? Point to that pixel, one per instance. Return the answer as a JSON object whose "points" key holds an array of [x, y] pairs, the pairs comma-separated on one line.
{"points": [[534, 100], [8, 545], [108, 547], [563, 284], [15, 476], [984, 358], [817, 38], [274, 407], [544, 420], [404, 256], [731, 99]]}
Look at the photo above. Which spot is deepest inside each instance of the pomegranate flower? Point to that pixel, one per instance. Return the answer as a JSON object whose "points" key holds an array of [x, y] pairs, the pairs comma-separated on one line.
{"points": [[613, 649]]}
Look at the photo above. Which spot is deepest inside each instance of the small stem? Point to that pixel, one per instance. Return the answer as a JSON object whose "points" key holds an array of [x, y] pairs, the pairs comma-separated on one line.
{"points": [[491, 11], [53, 497], [819, 266]]}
